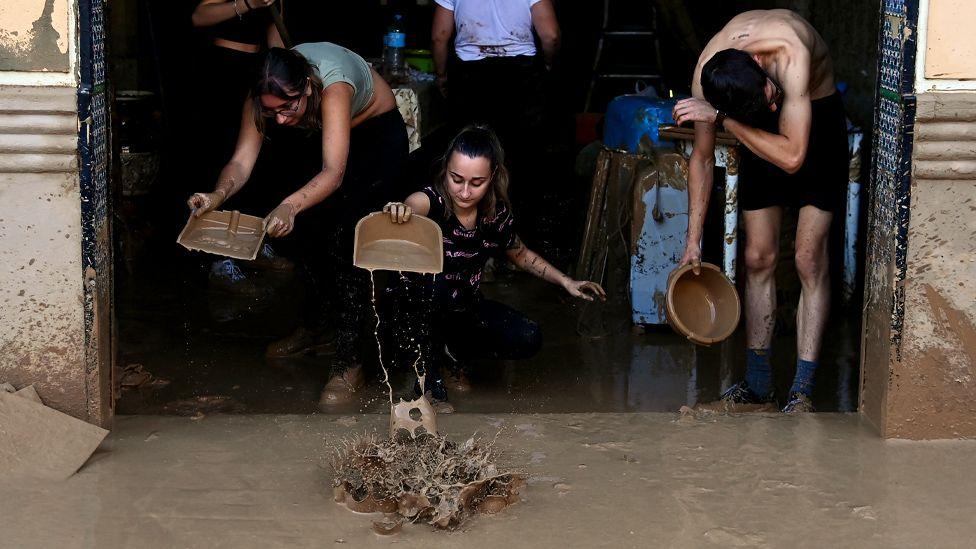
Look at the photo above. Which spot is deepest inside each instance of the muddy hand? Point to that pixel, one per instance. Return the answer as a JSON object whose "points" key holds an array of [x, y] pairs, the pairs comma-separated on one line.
{"points": [[399, 212], [281, 220], [585, 289], [693, 110], [693, 256], [202, 203]]}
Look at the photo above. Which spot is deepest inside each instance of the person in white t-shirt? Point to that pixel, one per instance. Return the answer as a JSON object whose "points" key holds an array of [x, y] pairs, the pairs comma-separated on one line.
{"points": [[496, 75], [493, 29]]}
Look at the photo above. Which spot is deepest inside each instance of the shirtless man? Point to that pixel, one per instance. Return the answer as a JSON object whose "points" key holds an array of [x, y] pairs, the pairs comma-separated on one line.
{"points": [[768, 79]]}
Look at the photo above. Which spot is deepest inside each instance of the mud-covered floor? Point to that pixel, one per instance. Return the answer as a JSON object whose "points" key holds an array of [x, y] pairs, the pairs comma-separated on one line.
{"points": [[209, 345], [595, 480]]}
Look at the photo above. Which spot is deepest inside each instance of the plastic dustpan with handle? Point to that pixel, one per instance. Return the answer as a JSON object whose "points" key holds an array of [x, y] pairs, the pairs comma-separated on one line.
{"points": [[230, 234], [415, 246]]}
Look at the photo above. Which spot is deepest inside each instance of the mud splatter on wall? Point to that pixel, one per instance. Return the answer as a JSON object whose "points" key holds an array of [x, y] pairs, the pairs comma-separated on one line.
{"points": [[932, 387], [34, 35], [42, 338]]}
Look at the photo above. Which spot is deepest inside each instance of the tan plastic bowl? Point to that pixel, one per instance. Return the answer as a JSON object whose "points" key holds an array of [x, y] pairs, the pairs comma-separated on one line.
{"points": [[705, 307]]}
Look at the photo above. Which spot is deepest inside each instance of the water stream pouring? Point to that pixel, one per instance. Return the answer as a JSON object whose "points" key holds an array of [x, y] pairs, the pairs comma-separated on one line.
{"points": [[415, 246]]}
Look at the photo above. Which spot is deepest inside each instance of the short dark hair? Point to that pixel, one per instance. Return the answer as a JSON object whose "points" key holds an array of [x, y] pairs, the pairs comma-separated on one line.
{"points": [[735, 84]]}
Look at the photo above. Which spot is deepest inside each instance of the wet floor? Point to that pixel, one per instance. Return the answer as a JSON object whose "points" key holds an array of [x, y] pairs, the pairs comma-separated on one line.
{"points": [[207, 346], [594, 480]]}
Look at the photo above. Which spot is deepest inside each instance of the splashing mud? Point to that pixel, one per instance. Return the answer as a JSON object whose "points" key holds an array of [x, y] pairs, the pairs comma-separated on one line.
{"points": [[428, 479]]}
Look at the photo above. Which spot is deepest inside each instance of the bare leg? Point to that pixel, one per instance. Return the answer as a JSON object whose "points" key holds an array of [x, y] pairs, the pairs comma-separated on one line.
{"points": [[762, 249], [812, 233]]}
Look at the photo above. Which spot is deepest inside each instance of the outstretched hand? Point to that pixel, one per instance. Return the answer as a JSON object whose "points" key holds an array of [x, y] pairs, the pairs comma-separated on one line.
{"points": [[399, 212], [584, 289], [201, 203]]}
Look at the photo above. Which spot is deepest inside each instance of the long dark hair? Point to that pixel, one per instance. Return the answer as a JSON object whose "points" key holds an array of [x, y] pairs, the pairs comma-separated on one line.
{"points": [[476, 141], [285, 74]]}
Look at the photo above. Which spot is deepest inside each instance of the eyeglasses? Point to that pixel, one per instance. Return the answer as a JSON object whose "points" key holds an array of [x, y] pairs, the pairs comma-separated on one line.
{"points": [[290, 109]]}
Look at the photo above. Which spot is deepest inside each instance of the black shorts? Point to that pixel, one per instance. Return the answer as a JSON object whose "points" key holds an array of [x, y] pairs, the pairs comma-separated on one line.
{"points": [[820, 182]]}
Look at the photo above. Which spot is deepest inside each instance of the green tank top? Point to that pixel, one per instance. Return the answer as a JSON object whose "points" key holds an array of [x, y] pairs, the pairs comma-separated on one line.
{"points": [[337, 64]]}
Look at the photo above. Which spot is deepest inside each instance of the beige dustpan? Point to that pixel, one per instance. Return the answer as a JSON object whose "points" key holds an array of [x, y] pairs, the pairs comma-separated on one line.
{"points": [[416, 246], [231, 234]]}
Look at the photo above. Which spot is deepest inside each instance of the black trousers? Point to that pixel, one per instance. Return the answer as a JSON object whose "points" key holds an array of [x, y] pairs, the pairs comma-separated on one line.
{"points": [[323, 235]]}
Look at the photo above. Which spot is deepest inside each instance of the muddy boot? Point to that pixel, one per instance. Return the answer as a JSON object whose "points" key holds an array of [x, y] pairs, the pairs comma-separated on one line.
{"points": [[799, 404], [456, 380], [226, 276], [436, 394], [267, 259], [301, 342], [740, 393], [342, 388]]}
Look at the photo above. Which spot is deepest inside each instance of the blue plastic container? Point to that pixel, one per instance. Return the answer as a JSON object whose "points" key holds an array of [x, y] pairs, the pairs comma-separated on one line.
{"points": [[632, 122]]}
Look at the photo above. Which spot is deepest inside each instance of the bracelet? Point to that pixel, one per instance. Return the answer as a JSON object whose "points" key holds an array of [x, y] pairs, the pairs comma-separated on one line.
{"points": [[248, 4], [237, 11]]}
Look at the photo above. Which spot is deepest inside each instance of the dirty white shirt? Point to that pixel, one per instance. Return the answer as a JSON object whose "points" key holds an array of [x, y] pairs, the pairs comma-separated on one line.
{"points": [[491, 28]]}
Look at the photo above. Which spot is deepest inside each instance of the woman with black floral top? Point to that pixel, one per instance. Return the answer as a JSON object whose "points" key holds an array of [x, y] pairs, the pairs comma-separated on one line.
{"points": [[470, 203]]}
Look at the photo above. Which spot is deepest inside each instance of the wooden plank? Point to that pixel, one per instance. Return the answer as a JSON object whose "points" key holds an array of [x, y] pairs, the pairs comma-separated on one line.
{"points": [[669, 131], [594, 213]]}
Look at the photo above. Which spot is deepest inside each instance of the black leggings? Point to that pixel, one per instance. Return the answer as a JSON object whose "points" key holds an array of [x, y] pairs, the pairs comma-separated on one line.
{"points": [[323, 235]]}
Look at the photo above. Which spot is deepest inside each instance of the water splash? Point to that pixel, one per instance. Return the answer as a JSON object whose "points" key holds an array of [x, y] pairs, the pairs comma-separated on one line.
{"points": [[376, 334]]}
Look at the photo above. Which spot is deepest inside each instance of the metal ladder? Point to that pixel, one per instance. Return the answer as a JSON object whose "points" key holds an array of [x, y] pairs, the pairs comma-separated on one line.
{"points": [[607, 70]]}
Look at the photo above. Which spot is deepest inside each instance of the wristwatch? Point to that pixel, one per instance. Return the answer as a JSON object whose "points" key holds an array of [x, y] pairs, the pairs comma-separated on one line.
{"points": [[719, 118]]}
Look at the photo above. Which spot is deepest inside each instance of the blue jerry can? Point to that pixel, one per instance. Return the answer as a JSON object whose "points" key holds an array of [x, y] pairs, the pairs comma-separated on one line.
{"points": [[660, 225], [632, 122]]}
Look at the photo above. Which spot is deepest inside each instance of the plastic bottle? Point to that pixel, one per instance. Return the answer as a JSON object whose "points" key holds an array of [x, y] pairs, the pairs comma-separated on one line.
{"points": [[394, 43]]}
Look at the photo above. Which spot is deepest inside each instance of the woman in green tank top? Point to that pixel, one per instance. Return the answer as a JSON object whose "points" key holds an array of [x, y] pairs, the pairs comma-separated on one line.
{"points": [[333, 92]]}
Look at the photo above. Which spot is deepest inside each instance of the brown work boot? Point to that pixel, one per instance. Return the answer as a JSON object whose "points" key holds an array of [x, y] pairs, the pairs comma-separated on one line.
{"points": [[341, 388], [302, 341], [455, 380]]}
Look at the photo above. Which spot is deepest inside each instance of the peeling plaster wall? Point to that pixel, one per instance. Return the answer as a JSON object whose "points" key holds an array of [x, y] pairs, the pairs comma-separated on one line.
{"points": [[42, 338], [34, 35], [932, 389]]}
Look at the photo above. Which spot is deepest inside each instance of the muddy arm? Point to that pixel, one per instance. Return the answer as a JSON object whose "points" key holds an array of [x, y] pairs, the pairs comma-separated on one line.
{"points": [[547, 27], [701, 167], [440, 37], [336, 125], [788, 149], [238, 170]]}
